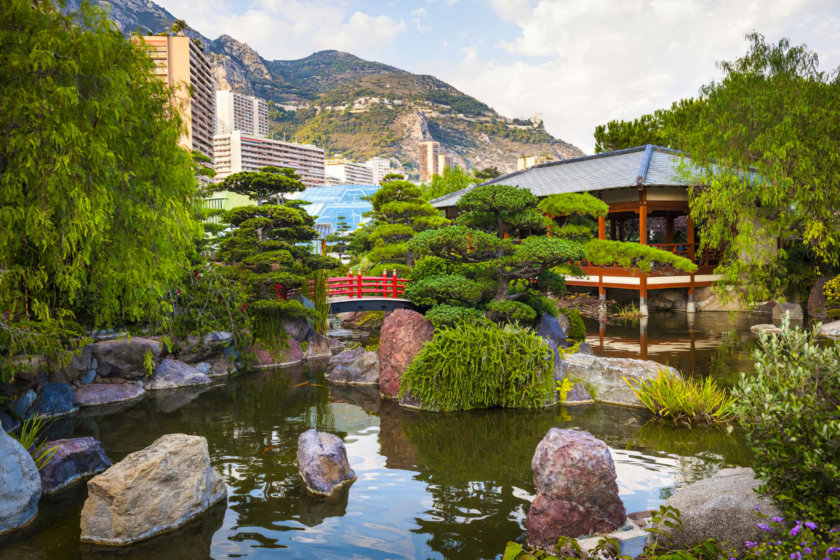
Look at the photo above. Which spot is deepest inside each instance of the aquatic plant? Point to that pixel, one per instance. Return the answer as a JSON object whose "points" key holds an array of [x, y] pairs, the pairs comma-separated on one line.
{"points": [[32, 439], [790, 410], [684, 400], [481, 365]]}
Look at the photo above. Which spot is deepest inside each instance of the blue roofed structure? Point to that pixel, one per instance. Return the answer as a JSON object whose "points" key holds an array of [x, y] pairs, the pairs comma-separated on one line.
{"points": [[330, 202]]}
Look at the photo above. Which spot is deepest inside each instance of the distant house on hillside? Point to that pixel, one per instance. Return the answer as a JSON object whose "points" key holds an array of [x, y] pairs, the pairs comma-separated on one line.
{"points": [[648, 203]]}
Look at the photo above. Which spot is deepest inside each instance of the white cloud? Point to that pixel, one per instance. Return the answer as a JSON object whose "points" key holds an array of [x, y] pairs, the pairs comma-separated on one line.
{"points": [[584, 63], [288, 29]]}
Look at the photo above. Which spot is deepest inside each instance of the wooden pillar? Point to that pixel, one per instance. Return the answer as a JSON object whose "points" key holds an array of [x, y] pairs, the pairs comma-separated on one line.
{"points": [[643, 216], [602, 228]]}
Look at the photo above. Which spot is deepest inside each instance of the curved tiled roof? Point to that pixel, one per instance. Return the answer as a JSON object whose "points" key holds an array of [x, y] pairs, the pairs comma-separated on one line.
{"points": [[644, 165]]}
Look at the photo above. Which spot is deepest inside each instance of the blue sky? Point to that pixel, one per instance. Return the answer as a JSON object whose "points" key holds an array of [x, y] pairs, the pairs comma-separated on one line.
{"points": [[579, 63]]}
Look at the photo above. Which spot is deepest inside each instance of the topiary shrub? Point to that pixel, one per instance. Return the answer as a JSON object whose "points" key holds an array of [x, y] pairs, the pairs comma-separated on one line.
{"points": [[449, 289], [510, 312], [481, 365], [790, 410], [448, 315], [540, 304], [428, 266], [577, 328]]}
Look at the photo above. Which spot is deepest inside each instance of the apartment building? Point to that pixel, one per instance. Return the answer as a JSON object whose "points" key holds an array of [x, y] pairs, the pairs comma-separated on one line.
{"points": [[235, 111], [181, 64], [380, 167], [340, 171], [429, 160]]}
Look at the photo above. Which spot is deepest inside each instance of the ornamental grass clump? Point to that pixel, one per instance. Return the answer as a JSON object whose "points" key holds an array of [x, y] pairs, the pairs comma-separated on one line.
{"points": [[481, 365], [684, 401]]}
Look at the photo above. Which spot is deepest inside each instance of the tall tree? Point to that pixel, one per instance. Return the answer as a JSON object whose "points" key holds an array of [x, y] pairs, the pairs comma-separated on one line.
{"points": [[269, 184], [96, 196]]}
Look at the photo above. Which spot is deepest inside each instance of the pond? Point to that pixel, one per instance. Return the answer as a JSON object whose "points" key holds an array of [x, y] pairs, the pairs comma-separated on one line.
{"points": [[430, 485]]}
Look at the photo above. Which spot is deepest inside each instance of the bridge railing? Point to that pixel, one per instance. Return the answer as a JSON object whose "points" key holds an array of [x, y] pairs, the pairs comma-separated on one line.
{"points": [[359, 286]]}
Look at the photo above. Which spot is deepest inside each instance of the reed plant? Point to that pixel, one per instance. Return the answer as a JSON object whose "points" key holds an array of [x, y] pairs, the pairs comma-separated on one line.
{"points": [[319, 300], [32, 438], [684, 401]]}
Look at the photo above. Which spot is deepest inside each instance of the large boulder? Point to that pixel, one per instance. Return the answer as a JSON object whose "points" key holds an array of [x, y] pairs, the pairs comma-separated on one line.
{"points": [[198, 348], [170, 374], [554, 329], [56, 399], [756, 330], [106, 393], [574, 476], [79, 365], [317, 346], [354, 367], [816, 299], [322, 463], [831, 330], [20, 485], [724, 506], [403, 335], [782, 309], [605, 376], [298, 329], [151, 491], [290, 355], [21, 405], [706, 300], [124, 357], [74, 459]]}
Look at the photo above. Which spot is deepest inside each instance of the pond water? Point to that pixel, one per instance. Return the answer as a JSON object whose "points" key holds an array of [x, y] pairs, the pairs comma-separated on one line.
{"points": [[430, 485]]}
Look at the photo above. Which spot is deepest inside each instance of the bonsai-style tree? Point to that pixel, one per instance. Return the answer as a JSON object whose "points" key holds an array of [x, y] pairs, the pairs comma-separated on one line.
{"points": [[399, 212], [269, 250], [339, 242], [268, 185]]}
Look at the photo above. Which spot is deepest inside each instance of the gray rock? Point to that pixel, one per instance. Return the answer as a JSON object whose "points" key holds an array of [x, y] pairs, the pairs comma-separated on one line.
{"points": [[782, 309], [204, 367], [74, 459], [79, 365], [317, 346], [322, 463], [20, 485], [578, 395], [336, 346], [831, 330], [554, 329], [606, 376], [816, 299], [87, 378], [170, 374], [56, 399], [151, 491], [198, 348], [354, 367], [224, 365], [106, 393], [298, 329], [574, 476], [124, 357], [723, 507], [584, 348], [23, 402], [765, 328]]}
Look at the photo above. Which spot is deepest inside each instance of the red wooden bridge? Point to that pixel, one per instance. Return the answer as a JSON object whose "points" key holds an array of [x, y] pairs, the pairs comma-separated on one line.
{"points": [[356, 292]]}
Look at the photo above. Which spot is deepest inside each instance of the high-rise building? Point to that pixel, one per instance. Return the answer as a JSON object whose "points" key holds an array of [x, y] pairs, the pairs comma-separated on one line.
{"points": [[429, 152], [340, 171], [237, 152], [244, 113], [524, 162], [380, 167], [444, 161], [182, 65]]}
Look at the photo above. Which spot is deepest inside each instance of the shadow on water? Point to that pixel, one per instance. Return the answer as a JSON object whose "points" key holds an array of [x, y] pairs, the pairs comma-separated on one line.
{"points": [[430, 485]]}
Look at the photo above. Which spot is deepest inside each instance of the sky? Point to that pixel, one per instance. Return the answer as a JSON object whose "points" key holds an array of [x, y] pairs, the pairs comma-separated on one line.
{"points": [[578, 63]]}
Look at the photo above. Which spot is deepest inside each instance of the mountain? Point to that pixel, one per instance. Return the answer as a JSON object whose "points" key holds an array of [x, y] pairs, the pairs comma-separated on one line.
{"points": [[357, 107]]}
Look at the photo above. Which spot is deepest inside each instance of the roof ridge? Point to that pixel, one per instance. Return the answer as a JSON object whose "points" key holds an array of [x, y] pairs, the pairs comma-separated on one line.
{"points": [[641, 177]]}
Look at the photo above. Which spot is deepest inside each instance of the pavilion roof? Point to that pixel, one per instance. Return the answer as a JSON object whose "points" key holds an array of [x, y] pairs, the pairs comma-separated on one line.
{"points": [[647, 165]]}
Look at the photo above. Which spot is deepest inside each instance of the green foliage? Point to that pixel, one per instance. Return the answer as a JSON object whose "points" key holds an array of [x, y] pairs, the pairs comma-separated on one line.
{"points": [[563, 387], [790, 409], [447, 289], [831, 290], [264, 185], [452, 179], [572, 214], [96, 196], [321, 312], [794, 539], [57, 340], [459, 102], [268, 317], [684, 400], [481, 365], [604, 252], [32, 438], [441, 316], [500, 209], [761, 142], [339, 242], [540, 304], [486, 173], [508, 311], [577, 328]]}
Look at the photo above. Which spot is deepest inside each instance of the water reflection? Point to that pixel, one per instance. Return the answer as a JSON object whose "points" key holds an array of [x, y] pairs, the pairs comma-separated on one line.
{"points": [[430, 485]]}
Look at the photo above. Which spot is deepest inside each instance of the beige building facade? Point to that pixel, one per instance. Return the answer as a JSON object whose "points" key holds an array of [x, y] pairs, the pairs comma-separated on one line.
{"points": [[235, 111]]}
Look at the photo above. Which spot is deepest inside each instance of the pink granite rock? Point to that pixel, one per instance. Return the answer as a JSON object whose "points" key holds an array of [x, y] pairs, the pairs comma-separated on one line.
{"points": [[403, 335]]}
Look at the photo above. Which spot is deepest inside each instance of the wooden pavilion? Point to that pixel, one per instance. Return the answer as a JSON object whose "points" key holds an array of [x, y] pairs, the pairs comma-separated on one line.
{"points": [[648, 204]]}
